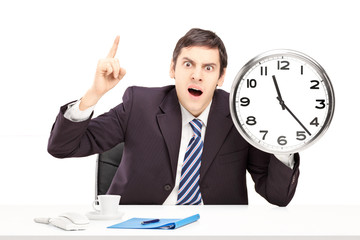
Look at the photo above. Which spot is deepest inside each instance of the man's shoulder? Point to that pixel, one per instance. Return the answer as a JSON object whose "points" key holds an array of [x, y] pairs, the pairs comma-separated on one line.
{"points": [[151, 90], [221, 96], [222, 93], [148, 96]]}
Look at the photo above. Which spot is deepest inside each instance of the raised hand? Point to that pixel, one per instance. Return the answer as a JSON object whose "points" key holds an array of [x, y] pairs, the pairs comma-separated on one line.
{"points": [[108, 71], [108, 74]]}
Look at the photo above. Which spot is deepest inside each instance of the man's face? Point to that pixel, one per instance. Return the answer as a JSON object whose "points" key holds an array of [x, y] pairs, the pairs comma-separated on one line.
{"points": [[196, 76]]}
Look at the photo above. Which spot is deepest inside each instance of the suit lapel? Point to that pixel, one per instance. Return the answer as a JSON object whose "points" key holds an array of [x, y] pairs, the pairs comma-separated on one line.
{"points": [[170, 125], [218, 127]]}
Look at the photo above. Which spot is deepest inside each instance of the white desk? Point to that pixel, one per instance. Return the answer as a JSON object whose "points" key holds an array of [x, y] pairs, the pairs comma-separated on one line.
{"points": [[216, 222]]}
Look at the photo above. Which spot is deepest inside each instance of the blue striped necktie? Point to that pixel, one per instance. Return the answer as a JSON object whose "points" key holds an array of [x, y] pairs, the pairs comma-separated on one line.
{"points": [[189, 190]]}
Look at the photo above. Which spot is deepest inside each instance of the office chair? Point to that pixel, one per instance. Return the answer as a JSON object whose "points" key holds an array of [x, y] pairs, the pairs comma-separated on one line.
{"points": [[106, 165]]}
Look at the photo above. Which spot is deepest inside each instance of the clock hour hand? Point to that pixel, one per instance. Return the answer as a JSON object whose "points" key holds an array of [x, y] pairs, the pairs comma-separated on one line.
{"points": [[292, 114], [281, 101]]}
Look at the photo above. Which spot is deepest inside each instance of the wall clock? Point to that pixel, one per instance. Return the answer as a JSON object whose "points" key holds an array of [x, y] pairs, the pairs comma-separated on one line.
{"points": [[282, 101]]}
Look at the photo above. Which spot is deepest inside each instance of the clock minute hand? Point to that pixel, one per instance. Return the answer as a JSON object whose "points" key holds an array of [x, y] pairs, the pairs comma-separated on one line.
{"points": [[292, 114], [281, 101]]}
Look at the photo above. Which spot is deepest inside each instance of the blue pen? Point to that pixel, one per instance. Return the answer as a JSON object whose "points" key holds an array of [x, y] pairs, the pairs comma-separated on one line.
{"points": [[150, 221]]}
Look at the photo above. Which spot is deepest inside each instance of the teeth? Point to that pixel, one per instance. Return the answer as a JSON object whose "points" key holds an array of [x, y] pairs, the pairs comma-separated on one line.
{"points": [[195, 89]]}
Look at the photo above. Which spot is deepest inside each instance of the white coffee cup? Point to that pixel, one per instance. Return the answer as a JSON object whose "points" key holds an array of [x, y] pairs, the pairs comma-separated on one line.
{"points": [[108, 204]]}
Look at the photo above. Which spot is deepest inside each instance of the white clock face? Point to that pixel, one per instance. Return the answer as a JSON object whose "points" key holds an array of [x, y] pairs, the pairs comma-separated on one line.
{"points": [[281, 102]]}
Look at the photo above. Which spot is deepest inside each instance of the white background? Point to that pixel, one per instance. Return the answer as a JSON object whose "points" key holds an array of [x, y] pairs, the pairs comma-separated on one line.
{"points": [[49, 51]]}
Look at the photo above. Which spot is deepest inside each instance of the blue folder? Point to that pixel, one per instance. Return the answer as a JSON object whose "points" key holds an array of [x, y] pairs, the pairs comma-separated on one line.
{"points": [[164, 223]]}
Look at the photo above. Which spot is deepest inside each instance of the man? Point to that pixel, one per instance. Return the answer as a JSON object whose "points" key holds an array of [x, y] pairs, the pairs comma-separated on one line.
{"points": [[181, 146]]}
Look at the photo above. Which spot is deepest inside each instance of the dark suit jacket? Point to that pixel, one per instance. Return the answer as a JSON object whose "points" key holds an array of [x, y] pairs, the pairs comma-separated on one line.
{"points": [[149, 122]]}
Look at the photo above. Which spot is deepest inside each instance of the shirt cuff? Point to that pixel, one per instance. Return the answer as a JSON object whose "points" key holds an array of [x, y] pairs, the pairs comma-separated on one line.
{"points": [[287, 159], [74, 114]]}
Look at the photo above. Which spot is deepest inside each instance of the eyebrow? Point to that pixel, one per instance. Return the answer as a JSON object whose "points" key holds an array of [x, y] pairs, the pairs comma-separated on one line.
{"points": [[192, 62]]}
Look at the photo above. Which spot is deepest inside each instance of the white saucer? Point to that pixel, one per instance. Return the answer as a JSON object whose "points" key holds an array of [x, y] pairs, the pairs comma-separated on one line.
{"points": [[98, 216]]}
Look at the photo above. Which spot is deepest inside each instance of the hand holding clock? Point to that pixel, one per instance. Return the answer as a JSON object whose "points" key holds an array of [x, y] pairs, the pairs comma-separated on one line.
{"points": [[282, 103]]}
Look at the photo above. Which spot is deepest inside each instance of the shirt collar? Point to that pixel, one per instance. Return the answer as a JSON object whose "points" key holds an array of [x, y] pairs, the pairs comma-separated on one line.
{"points": [[188, 117]]}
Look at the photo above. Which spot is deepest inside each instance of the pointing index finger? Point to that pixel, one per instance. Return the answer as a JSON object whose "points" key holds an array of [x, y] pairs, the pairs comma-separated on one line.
{"points": [[114, 48]]}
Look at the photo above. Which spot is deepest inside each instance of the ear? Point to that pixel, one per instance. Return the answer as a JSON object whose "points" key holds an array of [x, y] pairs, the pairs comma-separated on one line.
{"points": [[172, 70], [221, 79]]}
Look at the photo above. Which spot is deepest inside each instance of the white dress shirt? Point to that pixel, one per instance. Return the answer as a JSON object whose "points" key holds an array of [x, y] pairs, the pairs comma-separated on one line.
{"points": [[186, 135], [73, 113]]}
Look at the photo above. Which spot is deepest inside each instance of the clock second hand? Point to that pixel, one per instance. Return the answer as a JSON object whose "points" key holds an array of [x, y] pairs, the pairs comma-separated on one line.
{"points": [[292, 114]]}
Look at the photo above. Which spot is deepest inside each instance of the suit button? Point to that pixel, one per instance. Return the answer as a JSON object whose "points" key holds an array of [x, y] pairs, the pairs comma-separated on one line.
{"points": [[167, 187], [293, 180]]}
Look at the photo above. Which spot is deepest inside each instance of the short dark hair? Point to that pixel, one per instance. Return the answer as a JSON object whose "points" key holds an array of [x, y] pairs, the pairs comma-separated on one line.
{"points": [[200, 37]]}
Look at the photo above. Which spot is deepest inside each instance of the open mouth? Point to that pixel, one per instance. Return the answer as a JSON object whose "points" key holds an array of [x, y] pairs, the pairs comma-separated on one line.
{"points": [[195, 92]]}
